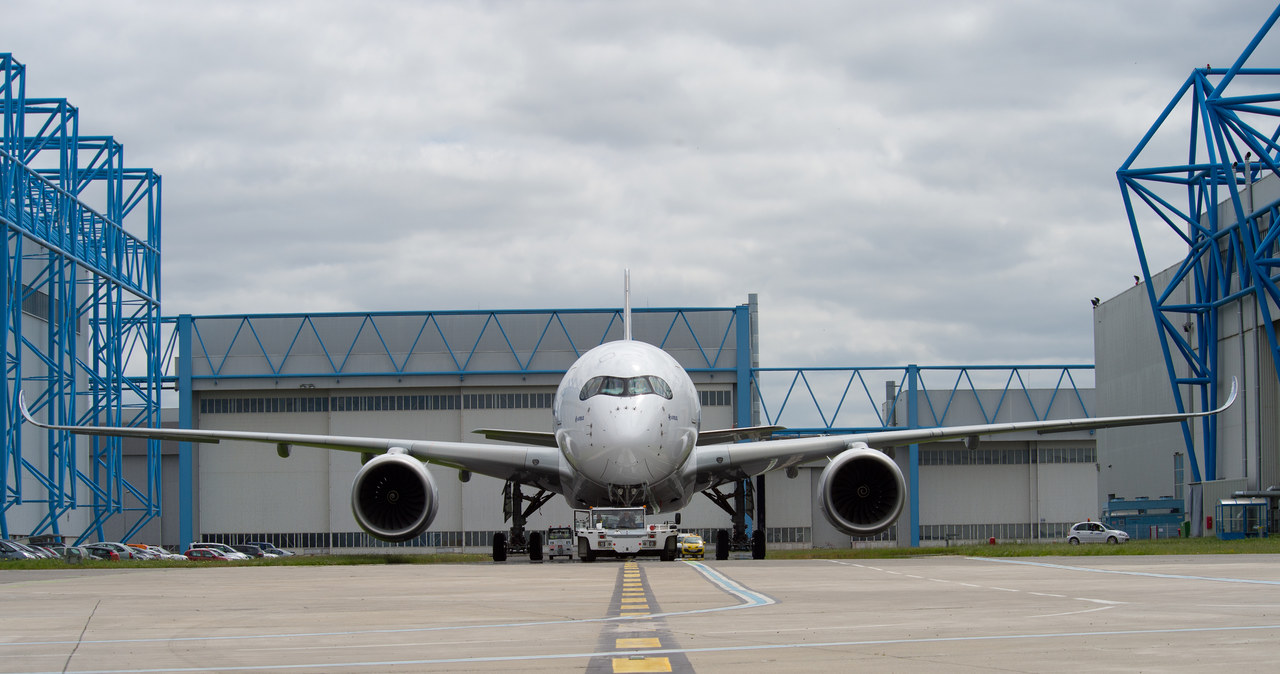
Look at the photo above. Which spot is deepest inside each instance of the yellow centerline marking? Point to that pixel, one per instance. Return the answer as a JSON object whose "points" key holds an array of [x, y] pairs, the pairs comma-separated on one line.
{"points": [[645, 665], [638, 642]]}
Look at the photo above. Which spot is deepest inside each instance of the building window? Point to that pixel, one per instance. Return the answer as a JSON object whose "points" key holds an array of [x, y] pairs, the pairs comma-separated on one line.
{"points": [[718, 398]]}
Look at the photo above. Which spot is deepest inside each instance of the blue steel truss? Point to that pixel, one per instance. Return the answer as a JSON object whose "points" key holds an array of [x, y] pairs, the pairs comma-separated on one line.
{"points": [[794, 397], [824, 400], [402, 344], [1232, 251], [91, 275]]}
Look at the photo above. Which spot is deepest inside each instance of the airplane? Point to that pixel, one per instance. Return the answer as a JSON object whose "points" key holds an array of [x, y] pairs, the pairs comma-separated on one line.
{"points": [[626, 420]]}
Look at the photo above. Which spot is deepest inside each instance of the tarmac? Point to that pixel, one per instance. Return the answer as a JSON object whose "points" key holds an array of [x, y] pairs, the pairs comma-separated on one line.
{"points": [[958, 614]]}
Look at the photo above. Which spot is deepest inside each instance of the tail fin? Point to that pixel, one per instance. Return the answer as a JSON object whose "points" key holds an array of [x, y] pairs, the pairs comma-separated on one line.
{"points": [[626, 304]]}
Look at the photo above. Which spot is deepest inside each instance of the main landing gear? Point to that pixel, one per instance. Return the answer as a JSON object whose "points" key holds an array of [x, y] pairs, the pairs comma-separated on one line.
{"points": [[737, 503], [514, 508]]}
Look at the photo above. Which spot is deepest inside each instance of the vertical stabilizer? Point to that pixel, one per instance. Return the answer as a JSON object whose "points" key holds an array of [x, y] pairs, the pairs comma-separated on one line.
{"points": [[626, 304]]}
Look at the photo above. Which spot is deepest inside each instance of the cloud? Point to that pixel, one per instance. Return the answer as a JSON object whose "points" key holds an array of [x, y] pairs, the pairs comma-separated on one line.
{"points": [[931, 182]]}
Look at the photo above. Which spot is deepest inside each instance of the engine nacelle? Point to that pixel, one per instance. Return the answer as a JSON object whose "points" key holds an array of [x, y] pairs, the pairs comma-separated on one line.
{"points": [[393, 497], [861, 491]]}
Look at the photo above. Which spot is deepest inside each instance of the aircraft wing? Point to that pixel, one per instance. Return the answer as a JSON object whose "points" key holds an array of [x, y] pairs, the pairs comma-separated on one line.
{"points": [[526, 463], [539, 438], [712, 437], [721, 435], [736, 461]]}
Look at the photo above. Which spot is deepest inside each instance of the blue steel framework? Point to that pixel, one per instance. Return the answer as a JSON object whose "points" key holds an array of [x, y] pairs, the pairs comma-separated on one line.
{"points": [[852, 407], [1232, 139], [798, 390], [97, 284]]}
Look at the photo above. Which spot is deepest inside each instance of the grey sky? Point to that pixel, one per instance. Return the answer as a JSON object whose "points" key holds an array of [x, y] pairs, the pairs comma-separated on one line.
{"points": [[928, 182]]}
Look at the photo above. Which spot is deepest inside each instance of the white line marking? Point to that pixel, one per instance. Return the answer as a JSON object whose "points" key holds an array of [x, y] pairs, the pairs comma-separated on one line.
{"points": [[1148, 574], [1088, 610], [672, 651]]}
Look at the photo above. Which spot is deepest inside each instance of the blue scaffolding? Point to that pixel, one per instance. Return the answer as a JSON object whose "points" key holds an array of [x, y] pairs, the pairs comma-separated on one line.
{"points": [[91, 276], [1232, 251]]}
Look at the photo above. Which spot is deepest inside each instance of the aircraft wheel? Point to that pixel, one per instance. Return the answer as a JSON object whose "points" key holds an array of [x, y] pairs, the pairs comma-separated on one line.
{"points": [[499, 547], [722, 545], [669, 553], [535, 546], [757, 544], [584, 551]]}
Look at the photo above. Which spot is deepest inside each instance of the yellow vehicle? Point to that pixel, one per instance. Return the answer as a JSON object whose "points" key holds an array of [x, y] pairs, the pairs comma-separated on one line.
{"points": [[691, 545]]}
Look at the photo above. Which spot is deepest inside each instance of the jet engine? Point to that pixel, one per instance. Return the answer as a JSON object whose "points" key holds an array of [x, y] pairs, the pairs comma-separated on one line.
{"points": [[393, 497], [861, 491]]}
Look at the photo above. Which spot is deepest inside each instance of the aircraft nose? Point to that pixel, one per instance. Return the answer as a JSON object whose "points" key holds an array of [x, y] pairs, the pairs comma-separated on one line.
{"points": [[640, 445]]}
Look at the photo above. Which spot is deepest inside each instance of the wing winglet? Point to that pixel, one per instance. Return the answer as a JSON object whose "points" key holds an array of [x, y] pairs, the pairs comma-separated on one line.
{"points": [[1235, 388], [26, 414]]}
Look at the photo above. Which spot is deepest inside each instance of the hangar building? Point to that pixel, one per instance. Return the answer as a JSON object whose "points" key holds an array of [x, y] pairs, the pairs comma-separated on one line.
{"points": [[1133, 376], [441, 375]]}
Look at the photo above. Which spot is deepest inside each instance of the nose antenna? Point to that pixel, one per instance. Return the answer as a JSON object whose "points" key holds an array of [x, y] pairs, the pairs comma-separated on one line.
{"points": [[626, 304]]}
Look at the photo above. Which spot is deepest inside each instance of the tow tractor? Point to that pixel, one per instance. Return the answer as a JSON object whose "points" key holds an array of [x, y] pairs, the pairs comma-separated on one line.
{"points": [[623, 532]]}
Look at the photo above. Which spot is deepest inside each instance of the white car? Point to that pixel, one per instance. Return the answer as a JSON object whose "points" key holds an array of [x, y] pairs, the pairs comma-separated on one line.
{"points": [[225, 549], [165, 554], [1095, 532]]}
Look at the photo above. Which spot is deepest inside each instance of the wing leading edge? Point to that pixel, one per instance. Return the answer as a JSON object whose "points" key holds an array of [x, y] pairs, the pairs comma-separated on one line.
{"points": [[713, 437], [737, 461]]}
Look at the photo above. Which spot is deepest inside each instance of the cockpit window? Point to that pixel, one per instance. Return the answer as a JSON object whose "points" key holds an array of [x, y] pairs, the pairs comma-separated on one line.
{"points": [[625, 386]]}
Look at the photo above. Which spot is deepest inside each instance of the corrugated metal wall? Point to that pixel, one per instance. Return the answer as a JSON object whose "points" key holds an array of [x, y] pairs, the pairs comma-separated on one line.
{"points": [[1268, 415]]}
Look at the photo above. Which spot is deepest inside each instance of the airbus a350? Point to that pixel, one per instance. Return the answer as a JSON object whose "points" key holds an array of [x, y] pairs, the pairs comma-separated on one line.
{"points": [[626, 420]]}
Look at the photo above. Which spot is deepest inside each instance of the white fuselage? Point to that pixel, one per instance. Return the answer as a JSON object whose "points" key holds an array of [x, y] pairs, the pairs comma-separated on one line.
{"points": [[626, 421]]}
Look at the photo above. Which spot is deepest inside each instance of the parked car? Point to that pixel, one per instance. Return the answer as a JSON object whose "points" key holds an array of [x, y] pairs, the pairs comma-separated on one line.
{"points": [[270, 549], [691, 545], [207, 555], [10, 550], [71, 553], [166, 554], [157, 552], [226, 550], [98, 552], [122, 551], [252, 551], [1095, 532], [36, 553]]}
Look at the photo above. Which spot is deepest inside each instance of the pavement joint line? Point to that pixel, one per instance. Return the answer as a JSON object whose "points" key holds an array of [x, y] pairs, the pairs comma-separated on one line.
{"points": [[1148, 574]]}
